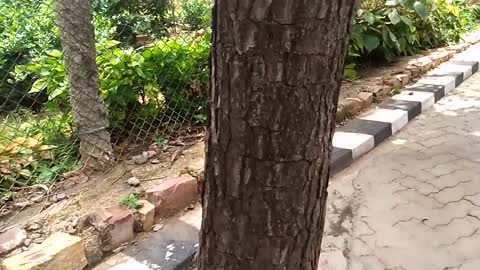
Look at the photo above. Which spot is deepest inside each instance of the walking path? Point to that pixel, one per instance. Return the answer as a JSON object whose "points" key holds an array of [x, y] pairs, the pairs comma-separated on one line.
{"points": [[414, 201]]}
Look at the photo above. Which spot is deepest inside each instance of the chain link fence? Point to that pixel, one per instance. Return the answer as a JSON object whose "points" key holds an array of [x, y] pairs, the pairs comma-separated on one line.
{"points": [[82, 83]]}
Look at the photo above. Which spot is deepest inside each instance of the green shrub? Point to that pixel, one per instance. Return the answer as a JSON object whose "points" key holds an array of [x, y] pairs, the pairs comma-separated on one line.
{"points": [[386, 29], [166, 77], [22, 37], [132, 17], [196, 13]]}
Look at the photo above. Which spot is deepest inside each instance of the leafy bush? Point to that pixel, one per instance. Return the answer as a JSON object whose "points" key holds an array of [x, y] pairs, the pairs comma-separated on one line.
{"points": [[196, 13], [385, 29], [22, 37], [168, 76], [131, 17]]}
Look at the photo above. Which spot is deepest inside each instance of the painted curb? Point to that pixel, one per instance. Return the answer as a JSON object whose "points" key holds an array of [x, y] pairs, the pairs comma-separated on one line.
{"points": [[358, 136]]}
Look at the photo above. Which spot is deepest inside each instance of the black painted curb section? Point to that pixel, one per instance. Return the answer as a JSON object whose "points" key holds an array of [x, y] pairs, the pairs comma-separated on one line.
{"points": [[341, 158], [379, 130]]}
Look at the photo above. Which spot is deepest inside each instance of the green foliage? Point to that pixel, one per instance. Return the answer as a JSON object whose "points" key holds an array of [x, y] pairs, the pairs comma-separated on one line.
{"points": [[196, 13], [130, 201], [22, 37], [159, 141], [386, 29], [34, 149], [169, 75], [131, 17]]}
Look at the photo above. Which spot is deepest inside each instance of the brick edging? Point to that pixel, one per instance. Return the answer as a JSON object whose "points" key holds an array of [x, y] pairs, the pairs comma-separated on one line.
{"points": [[352, 106]]}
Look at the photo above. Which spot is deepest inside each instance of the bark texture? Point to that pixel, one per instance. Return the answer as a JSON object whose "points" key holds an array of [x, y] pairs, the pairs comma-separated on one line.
{"points": [[90, 115], [276, 73]]}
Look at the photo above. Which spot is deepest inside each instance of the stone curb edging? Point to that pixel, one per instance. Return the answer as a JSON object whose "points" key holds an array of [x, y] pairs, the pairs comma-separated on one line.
{"points": [[359, 136], [415, 68]]}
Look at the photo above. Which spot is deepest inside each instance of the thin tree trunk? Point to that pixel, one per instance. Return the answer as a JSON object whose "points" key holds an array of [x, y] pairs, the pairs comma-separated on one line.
{"points": [[90, 115], [276, 74]]}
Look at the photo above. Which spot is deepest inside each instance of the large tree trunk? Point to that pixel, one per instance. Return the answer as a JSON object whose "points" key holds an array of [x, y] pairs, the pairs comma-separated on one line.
{"points": [[90, 115], [276, 74]]}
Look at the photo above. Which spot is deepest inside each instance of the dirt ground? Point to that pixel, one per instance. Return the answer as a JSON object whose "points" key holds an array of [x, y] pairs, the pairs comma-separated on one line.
{"points": [[83, 194]]}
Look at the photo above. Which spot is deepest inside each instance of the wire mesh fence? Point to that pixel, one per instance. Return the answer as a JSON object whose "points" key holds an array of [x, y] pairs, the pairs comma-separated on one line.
{"points": [[82, 81]]}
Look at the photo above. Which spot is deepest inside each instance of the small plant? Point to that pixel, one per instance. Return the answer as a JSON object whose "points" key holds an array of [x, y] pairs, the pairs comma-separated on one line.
{"points": [[130, 201], [395, 91], [160, 141]]}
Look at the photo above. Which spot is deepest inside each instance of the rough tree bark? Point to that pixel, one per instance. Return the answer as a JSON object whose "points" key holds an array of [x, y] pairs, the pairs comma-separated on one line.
{"points": [[276, 74], [90, 115]]}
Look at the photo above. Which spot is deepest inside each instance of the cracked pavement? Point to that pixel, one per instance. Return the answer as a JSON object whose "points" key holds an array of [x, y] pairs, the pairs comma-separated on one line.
{"points": [[414, 201]]}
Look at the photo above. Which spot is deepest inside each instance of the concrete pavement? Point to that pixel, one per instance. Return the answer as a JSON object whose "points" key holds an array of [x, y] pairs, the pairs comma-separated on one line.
{"points": [[414, 201]]}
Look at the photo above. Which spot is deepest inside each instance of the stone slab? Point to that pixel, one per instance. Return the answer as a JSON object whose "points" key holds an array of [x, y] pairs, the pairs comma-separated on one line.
{"points": [[59, 251], [358, 143], [397, 118], [413, 108], [448, 82], [437, 90], [426, 99]]}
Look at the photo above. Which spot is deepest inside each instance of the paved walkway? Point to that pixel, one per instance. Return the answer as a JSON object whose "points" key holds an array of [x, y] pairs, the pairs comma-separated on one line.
{"points": [[414, 201]]}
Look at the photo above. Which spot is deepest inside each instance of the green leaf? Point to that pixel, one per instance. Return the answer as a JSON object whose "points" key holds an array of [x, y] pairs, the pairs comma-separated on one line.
{"points": [[406, 20], [394, 17], [421, 9], [394, 39], [408, 3], [371, 42], [39, 85], [111, 43], [55, 53], [56, 92], [369, 17], [140, 72]]}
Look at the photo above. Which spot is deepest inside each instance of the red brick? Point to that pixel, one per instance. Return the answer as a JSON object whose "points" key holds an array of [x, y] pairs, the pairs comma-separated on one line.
{"points": [[172, 195], [117, 222]]}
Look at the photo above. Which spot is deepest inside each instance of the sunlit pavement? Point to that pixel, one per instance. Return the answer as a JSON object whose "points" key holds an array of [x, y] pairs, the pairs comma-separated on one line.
{"points": [[414, 201]]}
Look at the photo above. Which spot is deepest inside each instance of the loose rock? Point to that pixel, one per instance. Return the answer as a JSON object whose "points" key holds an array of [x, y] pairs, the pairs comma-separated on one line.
{"points": [[34, 236], [155, 161], [158, 227], [12, 239], [150, 153], [34, 227], [133, 181], [27, 242], [140, 159], [38, 240]]}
